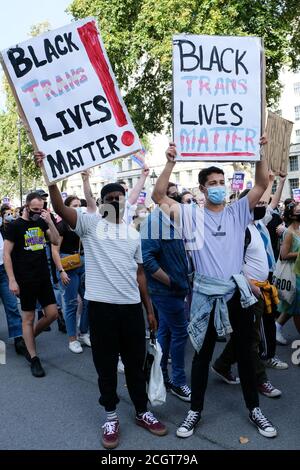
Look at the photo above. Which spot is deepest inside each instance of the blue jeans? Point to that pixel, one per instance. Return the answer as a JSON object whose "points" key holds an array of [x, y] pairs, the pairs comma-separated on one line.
{"points": [[13, 317], [172, 335], [70, 297]]}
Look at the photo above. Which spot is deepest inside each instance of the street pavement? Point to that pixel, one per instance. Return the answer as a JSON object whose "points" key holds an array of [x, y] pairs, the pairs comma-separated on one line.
{"points": [[61, 411]]}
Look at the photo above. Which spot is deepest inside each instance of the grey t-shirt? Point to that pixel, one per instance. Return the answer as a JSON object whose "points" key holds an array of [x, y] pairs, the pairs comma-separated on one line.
{"points": [[112, 254], [216, 240]]}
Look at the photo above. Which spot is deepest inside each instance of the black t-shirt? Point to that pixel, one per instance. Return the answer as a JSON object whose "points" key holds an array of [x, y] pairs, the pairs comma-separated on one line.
{"points": [[272, 225], [29, 253], [70, 242]]}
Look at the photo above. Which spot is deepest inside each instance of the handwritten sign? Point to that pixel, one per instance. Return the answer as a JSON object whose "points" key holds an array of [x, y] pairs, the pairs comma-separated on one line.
{"points": [[218, 84], [296, 195], [277, 149], [238, 181], [68, 96]]}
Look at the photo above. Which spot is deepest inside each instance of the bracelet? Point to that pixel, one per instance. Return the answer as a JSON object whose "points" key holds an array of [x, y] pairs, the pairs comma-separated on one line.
{"points": [[61, 271]]}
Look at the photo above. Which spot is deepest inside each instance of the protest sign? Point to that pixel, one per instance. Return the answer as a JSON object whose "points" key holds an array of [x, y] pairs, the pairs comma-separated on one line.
{"points": [[237, 181], [69, 99], [296, 195], [6, 200], [277, 149], [249, 185], [218, 97], [142, 198]]}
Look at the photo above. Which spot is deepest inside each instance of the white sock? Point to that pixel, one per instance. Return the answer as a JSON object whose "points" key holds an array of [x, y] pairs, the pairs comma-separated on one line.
{"points": [[111, 415]]}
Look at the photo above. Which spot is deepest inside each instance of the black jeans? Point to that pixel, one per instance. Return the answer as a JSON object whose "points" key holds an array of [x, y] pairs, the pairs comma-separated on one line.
{"points": [[118, 329], [242, 322], [228, 356]]}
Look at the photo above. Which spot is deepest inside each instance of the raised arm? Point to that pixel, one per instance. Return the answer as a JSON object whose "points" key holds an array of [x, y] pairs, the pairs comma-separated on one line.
{"points": [[277, 196], [261, 179], [135, 192], [91, 203], [159, 194], [68, 214]]}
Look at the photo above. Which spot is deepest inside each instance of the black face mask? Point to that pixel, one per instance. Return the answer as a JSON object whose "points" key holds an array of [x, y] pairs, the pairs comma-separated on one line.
{"points": [[176, 197], [45, 205], [297, 217], [259, 212], [34, 216]]}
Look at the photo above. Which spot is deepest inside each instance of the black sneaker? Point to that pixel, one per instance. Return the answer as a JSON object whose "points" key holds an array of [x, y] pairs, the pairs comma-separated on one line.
{"points": [[36, 367], [20, 346], [183, 392], [186, 429], [264, 426]]}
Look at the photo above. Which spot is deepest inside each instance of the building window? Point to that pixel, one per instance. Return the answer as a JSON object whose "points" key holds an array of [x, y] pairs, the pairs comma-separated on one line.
{"points": [[297, 88], [177, 178], [252, 164], [294, 184], [297, 113], [120, 167], [297, 132], [129, 164], [294, 163], [130, 183], [190, 176]]}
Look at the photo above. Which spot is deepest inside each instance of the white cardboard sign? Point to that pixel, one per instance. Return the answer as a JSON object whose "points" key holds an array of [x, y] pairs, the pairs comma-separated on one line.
{"points": [[64, 84], [217, 97]]}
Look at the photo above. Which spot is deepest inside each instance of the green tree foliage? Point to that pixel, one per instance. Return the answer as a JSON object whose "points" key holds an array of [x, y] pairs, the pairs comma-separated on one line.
{"points": [[138, 38]]}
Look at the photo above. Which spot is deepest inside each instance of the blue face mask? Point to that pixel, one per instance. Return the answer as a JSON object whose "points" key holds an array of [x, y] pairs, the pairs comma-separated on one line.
{"points": [[216, 195]]}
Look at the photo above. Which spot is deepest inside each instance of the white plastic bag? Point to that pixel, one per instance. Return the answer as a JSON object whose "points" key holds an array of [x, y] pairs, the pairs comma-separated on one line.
{"points": [[156, 387], [284, 279]]}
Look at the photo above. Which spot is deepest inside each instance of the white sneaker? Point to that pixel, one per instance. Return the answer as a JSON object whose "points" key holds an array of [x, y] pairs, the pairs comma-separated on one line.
{"points": [[75, 347], [280, 339], [85, 339], [120, 366], [276, 363]]}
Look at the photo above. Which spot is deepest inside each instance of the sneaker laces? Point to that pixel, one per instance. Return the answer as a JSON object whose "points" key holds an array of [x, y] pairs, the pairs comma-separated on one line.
{"points": [[149, 417], [190, 420], [186, 389], [260, 418], [268, 386], [110, 427]]}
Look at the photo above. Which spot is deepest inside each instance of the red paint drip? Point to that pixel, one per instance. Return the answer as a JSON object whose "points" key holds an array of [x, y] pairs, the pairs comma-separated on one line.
{"points": [[89, 37], [226, 154]]}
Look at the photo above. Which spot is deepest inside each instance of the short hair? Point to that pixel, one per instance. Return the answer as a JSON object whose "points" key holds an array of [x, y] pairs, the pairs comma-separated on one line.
{"points": [[83, 202], [244, 193], [170, 185], [203, 174], [288, 201], [31, 196], [184, 193], [289, 211], [121, 182], [4, 208], [70, 199]]}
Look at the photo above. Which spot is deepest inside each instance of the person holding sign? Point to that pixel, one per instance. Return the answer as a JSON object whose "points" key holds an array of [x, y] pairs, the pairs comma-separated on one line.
{"points": [[222, 297], [115, 285]]}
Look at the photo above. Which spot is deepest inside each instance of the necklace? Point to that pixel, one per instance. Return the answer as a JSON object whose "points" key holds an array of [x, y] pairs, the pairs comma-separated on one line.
{"points": [[218, 233]]}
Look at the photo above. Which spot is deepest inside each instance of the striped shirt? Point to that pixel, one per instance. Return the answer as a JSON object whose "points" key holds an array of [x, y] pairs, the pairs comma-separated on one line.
{"points": [[112, 254]]}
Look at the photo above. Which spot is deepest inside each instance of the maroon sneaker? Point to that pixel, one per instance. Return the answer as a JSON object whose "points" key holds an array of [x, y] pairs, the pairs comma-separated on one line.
{"points": [[110, 434], [148, 421]]}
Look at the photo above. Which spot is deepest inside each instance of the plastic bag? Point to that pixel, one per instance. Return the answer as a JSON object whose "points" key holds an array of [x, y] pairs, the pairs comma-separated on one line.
{"points": [[156, 387], [284, 279]]}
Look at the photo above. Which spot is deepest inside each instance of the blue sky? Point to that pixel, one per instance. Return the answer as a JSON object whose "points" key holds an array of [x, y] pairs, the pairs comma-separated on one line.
{"points": [[17, 17]]}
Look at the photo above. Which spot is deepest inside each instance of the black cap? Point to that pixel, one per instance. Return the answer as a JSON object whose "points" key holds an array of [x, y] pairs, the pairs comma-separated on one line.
{"points": [[41, 193], [110, 188]]}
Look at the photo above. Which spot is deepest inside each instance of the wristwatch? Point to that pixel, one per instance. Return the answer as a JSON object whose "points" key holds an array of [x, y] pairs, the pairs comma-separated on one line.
{"points": [[61, 271]]}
